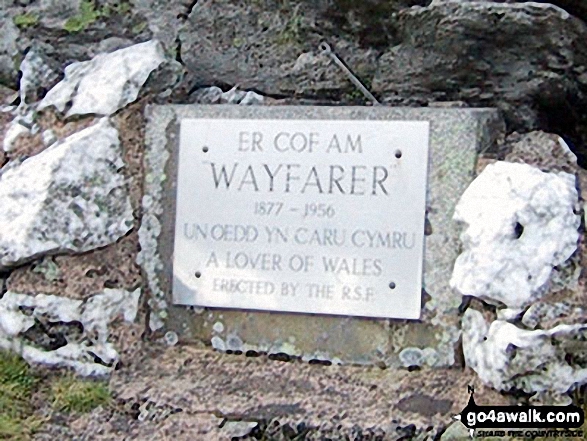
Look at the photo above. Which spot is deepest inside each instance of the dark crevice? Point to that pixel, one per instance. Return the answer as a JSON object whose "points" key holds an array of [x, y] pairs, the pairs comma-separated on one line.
{"points": [[178, 50], [560, 115], [518, 230]]}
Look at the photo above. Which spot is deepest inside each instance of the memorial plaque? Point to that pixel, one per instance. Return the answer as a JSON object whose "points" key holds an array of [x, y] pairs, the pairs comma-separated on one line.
{"points": [[274, 232], [311, 216]]}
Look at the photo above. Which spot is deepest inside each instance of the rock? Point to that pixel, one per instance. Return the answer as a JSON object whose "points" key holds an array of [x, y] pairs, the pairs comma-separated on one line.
{"points": [[372, 21], [77, 202], [237, 429], [505, 356], [540, 314], [520, 57], [8, 50], [520, 223], [455, 432], [13, 131], [214, 95], [164, 19], [39, 74], [106, 83], [256, 46], [87, 351]]}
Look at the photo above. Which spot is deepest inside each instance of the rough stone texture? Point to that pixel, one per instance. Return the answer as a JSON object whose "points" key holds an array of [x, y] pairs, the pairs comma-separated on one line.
{"points": [[214, 95], [532, 65], [75, 30], [505, 356], [57, 331], [271, 48], [77, 277], [520, 223], [106, 83], [8, 50], [183, 391], [39, 74], [456, 137], [114, 266], [78, 191]]}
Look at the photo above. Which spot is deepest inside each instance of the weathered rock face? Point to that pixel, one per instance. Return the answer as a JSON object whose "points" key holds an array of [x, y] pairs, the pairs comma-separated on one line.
{"points": [[520, 224], [106, 83], [65, 332], [8, 50], [505, 356], [77, 200], [271, 49], [527, 59]]}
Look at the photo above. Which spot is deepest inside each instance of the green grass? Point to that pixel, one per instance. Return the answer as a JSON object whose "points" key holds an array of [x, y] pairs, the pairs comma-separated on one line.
{"points": [[71, 394], [21, 389], [17, 384]]}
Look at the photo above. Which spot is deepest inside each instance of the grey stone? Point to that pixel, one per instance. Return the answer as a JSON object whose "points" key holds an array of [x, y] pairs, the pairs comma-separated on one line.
{"points": [[39, 74], [520, 57], [76, 202], [456, 137], [8, 50], [164, 18], [261, 52]]}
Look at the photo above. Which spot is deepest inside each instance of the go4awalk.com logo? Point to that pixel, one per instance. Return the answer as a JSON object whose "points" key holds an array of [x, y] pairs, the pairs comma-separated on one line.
{"points": [[522, 421]]}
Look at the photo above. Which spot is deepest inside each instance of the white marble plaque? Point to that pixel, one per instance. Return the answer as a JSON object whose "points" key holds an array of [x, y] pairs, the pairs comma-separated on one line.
{"points": [[312, 216]]}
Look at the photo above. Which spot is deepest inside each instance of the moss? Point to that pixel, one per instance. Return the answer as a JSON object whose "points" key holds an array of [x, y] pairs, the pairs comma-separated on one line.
{"points": [[89, 12], [48, 268], [25, 20], [71, 394], [292, 32], [87, 15], [238, 42], [139, 27]]}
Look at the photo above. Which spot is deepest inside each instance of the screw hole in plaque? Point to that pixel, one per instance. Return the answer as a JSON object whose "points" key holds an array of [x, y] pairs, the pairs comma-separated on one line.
{"points": [[205, 149], [198, 274], [398, 154], [391, 285]]}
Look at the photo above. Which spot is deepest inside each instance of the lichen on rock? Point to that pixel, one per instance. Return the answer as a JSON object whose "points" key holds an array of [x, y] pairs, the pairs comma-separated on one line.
{"points": [[520, 223], [89, 353], [507, 357], [77, 200]]}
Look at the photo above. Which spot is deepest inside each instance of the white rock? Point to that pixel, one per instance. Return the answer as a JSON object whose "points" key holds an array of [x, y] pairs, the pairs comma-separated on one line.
{"points": [[69, 198], [36, 74], [505, 356], [15, 129], [106, 83], [238, 429], [505, 200], [95, 315], [214, 95], [49, 137]]}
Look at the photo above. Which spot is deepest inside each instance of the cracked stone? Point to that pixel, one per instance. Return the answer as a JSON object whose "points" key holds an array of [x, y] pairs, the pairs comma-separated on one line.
{"points": [[78, 191]]}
